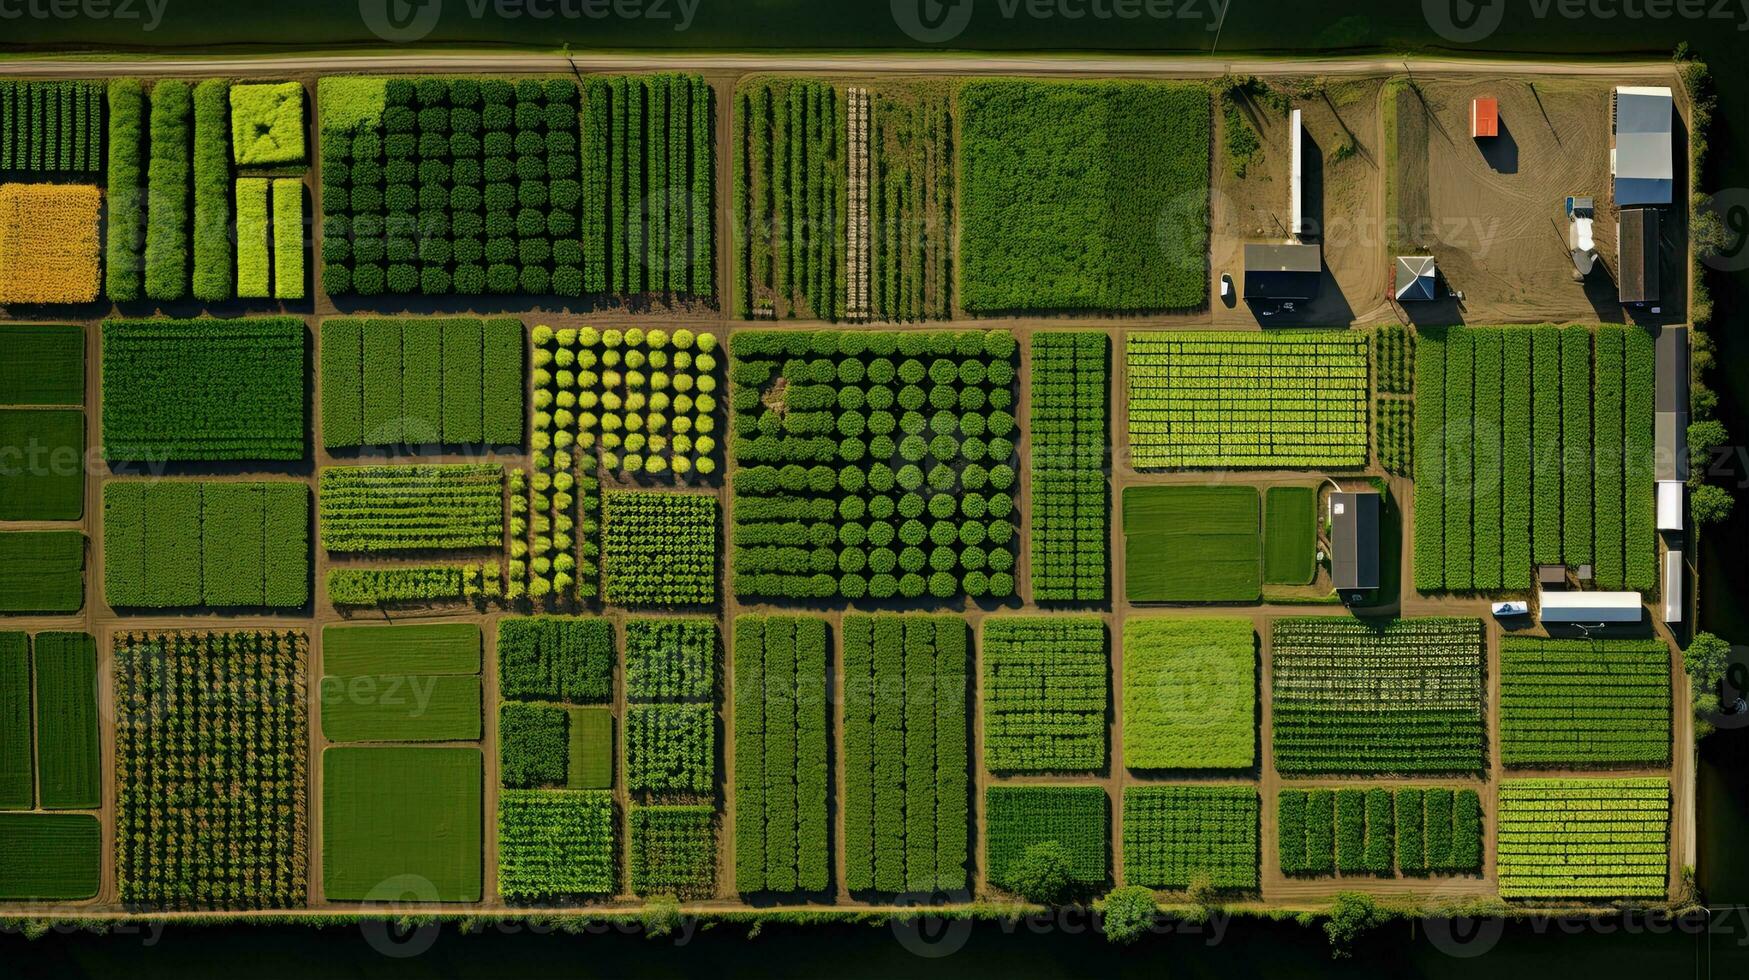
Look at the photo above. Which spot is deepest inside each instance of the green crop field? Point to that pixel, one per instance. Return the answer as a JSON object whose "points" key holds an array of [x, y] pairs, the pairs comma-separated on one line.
{"points": [[1192, 544], [1290, 535], [1173, 835], [44, 364], [42, 571], [555, 844], [400, 823], [1083, 195], [414, 648], [1046, 694], [782, 762], [177, 543], [1189, 694], [590, 761], [50, 856], [1071, 499], [17, 786], [1584, 702], [1076, 819], [47, 481], [67, 750], [401, 708], [1584, 838]]}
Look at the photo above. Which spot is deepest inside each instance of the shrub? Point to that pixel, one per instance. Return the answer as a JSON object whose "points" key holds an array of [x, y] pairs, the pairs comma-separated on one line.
{"points": [[127, 219]]}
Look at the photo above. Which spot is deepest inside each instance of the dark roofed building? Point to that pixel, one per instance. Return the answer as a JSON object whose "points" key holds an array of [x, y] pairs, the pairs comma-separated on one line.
{"points": [[1283, 272], [1639, 255], [1354, 539]]}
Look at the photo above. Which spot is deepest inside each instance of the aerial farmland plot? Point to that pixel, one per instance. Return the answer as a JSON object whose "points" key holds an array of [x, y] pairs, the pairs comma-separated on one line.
{"points": [[507, 488]]}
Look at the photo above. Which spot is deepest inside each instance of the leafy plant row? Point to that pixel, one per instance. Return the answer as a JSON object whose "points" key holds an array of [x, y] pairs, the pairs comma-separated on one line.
{"points": [[906, 792], [1394, 353], [1045, 697], [556, 658], [1070, 454], [873, 464], [792, 190], [1396, 435], [396, 508], [782, 804], [49, 127], [205, 819], [410, 584], [659, 549]]}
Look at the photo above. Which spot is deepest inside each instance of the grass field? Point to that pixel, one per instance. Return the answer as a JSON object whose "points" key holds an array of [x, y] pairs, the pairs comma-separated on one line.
{"points": [[68, 768], [401, 823], [401, 708], [46, 481], [42, 572], [1189, 694], [1290, 535], [425, 648], [17, 790], [591, 760], [44, 364], [1192, 544], [49, 856]]}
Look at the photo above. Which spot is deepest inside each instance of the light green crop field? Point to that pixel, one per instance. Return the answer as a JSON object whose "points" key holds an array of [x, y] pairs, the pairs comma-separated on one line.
{"points": [[1290, 535], [591, 759], [1192, 544], [1189, 693], [401, 823]]}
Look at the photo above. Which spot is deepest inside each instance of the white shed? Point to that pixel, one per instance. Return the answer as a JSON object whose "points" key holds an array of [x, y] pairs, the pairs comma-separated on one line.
{"points": [[1670, 505], [1589, 607], [1296, 176]]}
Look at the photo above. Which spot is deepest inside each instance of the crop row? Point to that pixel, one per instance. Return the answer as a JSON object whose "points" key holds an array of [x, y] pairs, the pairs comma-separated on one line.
{"points": [[1070, 454], [1294, 399], [1396, 435], [1584, 702], [408, 584], [906, 792], [793, 189], [782, 804], [397, 508], [1584, 838], [1394, 354], [51, 126], [1401, 697], [1045, 699]]}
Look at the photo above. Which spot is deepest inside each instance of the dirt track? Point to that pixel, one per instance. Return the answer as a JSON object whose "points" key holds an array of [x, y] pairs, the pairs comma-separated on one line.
{"points": [[721, 71]]}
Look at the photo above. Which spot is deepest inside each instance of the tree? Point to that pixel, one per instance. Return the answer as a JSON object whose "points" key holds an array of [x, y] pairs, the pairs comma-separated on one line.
{"points": [[1704, 438], [1127, 913], [1705, 661], [1041, 874], [1351, 916], [1710, 504]]}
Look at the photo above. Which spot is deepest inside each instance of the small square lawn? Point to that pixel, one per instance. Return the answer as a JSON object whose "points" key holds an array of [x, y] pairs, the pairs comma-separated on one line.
{"points": [[401, 823], [1189, 693], [44, 364], [42, 465]]}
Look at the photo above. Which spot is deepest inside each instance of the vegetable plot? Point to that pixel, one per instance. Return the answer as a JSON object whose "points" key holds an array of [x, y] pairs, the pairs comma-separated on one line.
{"points": [[51, 127], [1584, 838], [660, 548], [391, 381], [782, 807], [1173, 835], [389, 508], [1288, 399], [1075, 818], [1070, 495], [184, 543], [1045, 694], [1189, 693], [555, 844], [1354, 697], [907, 791], [1584, 702], [1369, 831]]}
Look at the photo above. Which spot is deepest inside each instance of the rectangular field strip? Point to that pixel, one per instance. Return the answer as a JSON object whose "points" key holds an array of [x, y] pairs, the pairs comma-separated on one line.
{"points": [[1071, 500], [1229, 399], [1584, 838], [1584, 702], [1046, 694], [782, 803], [392, 508]]}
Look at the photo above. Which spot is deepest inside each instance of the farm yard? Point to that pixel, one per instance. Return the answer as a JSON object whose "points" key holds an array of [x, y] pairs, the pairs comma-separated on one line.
{"points": [[562, 586]]}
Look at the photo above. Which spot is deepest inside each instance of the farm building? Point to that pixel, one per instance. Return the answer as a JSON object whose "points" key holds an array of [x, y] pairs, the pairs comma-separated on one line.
{"points": [[1589, 607], [1641, 161], [1417, 278], [1670, 425], [1484, 118], [1638, 255], [1283, 272], [1354, 541], [1296, 177], [1672, 586]]}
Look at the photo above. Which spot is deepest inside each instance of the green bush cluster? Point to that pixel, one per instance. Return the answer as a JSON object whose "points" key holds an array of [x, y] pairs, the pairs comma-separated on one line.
{"points": [[267, 123], [874, 464], [463, 185], [51, 127], [659, 549]]}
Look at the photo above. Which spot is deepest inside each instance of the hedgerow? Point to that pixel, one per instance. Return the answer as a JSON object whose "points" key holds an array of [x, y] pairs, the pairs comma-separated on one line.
{"points": [[212, 193], [167, 195], [125, 254]]}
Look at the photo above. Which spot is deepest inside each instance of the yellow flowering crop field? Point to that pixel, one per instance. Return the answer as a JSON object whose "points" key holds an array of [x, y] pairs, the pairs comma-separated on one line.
{"points": [[48, 243]]}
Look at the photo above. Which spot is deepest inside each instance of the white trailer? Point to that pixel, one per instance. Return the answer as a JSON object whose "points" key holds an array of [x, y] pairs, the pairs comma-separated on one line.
{"points": [[1589, 607], [1670, 494]]}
